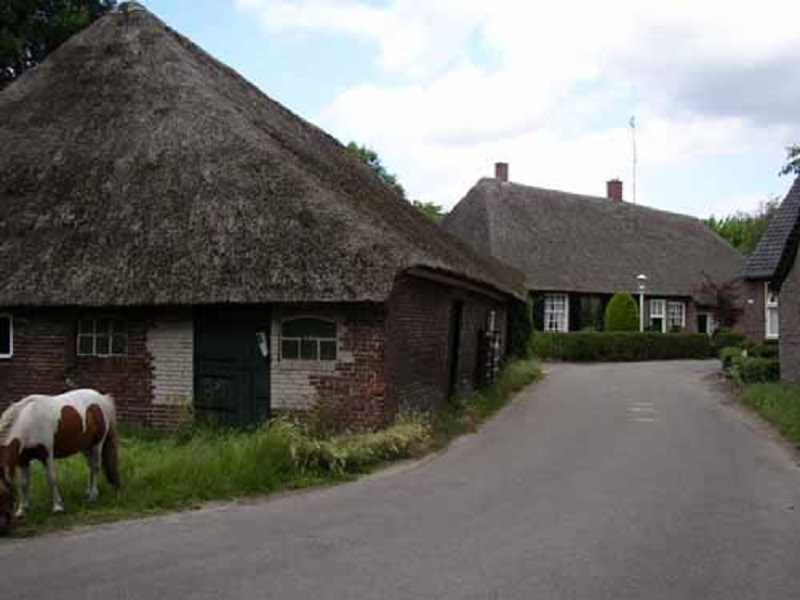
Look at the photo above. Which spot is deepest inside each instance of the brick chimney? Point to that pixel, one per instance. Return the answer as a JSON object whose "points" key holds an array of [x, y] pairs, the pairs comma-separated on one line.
{"points": [[501, 171], [614, 190]]}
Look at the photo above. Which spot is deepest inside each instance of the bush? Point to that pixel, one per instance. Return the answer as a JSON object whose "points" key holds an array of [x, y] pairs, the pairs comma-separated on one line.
{"points": [[620, 346], [724, 338], [728, 354], [521, 325], [755, 370], [622, 313], [768, 349]]}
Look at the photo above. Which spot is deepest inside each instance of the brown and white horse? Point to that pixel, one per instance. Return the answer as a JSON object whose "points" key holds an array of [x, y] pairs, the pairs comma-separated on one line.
{"points": [[49, 427]]}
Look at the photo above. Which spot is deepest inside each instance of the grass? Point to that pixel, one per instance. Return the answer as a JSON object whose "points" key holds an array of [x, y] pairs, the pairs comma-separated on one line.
{"points": [[185, 470], [778, 403]]}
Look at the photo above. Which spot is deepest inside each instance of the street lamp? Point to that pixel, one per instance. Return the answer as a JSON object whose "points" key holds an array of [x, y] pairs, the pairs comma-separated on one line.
{"points": [[641, 280]]}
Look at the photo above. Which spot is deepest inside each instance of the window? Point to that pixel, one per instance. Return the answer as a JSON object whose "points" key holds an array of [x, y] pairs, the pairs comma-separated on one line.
{"points": [[308, 339], [556, 312], [102, 337], [658, 309], [771, 313], [6, 336], [676, 316]]}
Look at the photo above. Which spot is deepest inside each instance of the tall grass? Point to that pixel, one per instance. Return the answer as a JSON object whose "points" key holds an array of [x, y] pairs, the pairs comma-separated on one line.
{"points": [[778, 403], [170, 472]]}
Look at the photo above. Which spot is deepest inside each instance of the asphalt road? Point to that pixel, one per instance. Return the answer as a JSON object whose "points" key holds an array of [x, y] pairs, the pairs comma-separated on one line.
{"points": [[604, 481]]}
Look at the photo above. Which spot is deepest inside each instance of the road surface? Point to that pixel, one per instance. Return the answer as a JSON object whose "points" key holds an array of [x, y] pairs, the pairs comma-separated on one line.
{"points": [[602, 482]]}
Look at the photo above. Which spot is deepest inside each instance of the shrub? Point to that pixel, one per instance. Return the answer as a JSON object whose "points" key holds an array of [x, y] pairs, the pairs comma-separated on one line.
{"points": [[768, 349], [728, 354], [724, 338], [619, 346], [622, 313], [521, 328], [755, 370]]}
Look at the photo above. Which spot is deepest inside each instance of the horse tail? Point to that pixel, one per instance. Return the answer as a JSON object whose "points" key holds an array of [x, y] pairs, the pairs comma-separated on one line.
{"points": [[110, 458]]}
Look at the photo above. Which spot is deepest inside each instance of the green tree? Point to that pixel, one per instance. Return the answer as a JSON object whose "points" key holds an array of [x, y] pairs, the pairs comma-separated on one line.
{"points": [[743, 230], [32, 29], [792, 166], [434, 212], [369, 156], [622, 313]]}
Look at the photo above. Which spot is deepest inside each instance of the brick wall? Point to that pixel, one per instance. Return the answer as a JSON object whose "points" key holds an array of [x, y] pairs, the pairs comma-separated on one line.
{"points": [[419, 343], [45, 362], [350, 391], [789, 326], [752, 322]]}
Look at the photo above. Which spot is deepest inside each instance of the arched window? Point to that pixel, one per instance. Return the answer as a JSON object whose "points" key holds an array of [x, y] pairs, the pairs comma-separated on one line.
{"points": [[307, 338]]}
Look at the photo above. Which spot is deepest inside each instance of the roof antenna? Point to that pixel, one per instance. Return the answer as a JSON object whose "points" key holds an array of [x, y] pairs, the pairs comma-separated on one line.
{"points": [[632, 123]]}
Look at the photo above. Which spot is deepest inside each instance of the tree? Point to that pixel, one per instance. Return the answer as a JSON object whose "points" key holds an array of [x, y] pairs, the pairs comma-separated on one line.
{"points": [[726, 297], [369, 156], [743, 230], [434, 212], [622, 313], [32, 29], [792, 166]]}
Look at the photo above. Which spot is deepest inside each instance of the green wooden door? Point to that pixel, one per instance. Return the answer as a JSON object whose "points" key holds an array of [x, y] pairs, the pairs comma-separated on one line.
{"points": [[231, 371]]}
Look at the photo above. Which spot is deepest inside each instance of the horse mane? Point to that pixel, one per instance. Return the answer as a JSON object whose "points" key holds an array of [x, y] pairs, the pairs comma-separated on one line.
{"points": [[9, 416]]}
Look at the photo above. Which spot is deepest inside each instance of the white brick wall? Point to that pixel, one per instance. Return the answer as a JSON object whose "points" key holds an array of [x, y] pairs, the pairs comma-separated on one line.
{"points": [[171, 344], [290, 387]]}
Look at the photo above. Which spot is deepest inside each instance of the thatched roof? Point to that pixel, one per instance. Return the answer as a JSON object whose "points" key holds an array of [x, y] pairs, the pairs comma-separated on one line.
{"points": [[570, 242], [778, 245], [136, 169]]}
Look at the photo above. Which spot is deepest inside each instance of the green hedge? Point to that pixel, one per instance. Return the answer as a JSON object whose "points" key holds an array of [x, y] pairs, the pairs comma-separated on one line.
{"points": [[755, 369], [765, 349], [728, 355], [724, 338], [620, 346]]}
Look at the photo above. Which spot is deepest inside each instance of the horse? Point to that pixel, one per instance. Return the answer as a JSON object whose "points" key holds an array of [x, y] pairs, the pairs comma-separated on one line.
{"points": [[45, 428]]}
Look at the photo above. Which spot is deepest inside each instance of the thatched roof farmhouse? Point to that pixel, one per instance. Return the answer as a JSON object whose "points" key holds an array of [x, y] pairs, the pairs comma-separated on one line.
{"points": [[172, 235], [576, 251]]}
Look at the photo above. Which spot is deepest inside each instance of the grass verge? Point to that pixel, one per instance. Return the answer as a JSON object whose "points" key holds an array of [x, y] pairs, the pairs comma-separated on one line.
{"points": [[777, 403], [181, 471]]}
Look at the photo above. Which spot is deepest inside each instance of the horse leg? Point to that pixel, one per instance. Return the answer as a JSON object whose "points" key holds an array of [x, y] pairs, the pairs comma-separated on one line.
{"points": [[52, 481], [93, 461], [24, 491]]}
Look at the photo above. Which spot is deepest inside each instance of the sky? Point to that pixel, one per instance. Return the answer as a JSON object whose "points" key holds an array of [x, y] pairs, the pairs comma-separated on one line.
{"points": [[443, 89]]}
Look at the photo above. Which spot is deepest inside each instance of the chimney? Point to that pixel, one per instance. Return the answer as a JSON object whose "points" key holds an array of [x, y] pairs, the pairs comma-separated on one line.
{"points": [[501, 171], [614, 190]]}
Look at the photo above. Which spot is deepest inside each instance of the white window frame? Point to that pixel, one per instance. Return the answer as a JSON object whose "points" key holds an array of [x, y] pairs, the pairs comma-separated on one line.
{"points": [[662, 314], [668, 323], [10, 317], [771, 302], [563, 325], [316, 339], [93, 335]]}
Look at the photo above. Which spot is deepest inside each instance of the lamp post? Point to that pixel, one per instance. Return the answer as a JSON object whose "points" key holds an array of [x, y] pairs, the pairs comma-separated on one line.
{"points": [[641, 280]]}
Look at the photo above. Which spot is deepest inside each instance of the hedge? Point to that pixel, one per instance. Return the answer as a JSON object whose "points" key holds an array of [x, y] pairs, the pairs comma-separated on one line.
{"points": [[728, 355], [755, 369], [723, 338], [620, 346]]}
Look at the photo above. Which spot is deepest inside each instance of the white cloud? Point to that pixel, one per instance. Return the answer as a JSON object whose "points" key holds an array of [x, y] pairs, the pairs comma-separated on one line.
{"points": [[704, 79]]}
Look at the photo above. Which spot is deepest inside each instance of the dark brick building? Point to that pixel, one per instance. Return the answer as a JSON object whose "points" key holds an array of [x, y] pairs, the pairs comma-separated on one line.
{"points": [[172, 236]]}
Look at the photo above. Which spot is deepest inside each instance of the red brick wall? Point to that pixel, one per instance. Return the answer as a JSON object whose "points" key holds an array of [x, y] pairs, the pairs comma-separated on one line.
{"points": [[354, 394], [752, 321], [45, 362], [418, 340]]}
